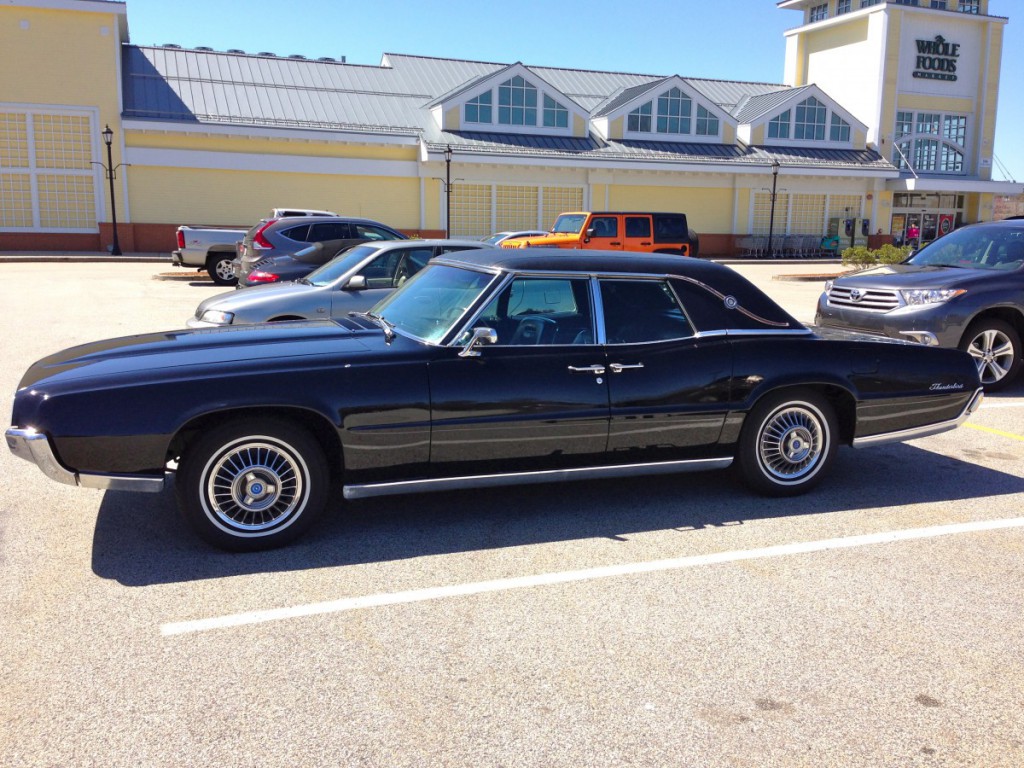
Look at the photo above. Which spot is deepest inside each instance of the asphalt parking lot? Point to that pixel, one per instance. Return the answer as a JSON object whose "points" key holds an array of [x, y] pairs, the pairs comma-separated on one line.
{"points": [[668, 621]]}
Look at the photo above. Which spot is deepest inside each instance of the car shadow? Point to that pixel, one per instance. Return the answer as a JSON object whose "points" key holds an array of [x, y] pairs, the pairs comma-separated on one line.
{"points": [[141, 539]]}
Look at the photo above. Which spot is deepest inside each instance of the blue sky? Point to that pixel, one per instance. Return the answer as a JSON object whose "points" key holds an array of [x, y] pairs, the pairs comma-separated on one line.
{"points": [[719, 39]]}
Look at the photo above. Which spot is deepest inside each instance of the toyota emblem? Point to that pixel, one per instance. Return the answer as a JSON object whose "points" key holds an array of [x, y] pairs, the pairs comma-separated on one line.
{"points": [[856, 294]]}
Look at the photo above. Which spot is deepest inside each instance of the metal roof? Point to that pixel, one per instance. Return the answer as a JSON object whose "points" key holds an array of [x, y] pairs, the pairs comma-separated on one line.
{"points": [[210, 87]]}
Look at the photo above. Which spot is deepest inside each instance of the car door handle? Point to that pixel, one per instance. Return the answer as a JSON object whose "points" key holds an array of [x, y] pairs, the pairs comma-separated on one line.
{"points": [[615, 242], [645, 242], [620, 367], [597, 370]]}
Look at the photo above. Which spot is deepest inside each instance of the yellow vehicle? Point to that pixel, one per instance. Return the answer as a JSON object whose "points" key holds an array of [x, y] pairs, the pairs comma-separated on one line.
{"points": [[616, 231]]}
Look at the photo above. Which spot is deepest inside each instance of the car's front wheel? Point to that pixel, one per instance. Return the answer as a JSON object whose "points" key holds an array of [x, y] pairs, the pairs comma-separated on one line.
{"points": [[787, 443], [252, 484], [995, 346]]}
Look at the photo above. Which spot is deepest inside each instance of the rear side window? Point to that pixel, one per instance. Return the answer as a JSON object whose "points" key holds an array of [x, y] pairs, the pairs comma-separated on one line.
{"points": [[671, 229], [638, 226], [298, 234], [637, 311], [335, 230]]}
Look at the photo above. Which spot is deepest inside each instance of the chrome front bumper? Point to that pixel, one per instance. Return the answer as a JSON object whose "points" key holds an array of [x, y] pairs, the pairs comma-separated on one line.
{"points": [[35, 447]]}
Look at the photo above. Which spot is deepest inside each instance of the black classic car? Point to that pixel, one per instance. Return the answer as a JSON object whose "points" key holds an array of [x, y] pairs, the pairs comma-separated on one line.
{"points": [[488, 367]]}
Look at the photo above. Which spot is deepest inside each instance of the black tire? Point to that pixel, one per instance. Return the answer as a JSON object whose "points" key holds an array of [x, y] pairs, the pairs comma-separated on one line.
{"points": [[788, 443], [218, 267], [995, 346], [252, 484]]}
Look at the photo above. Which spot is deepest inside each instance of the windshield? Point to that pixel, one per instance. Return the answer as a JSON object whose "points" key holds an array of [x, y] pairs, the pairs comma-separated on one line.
{"points": [[341, 264], [433, 301], [569, 223], [985, 247]]}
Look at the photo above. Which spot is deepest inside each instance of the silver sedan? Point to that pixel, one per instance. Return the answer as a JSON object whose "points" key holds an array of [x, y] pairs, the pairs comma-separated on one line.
{"points": [[351, 282]]}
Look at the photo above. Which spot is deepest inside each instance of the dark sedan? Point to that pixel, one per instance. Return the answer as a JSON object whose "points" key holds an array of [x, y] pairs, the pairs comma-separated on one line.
{"points": [[964, 290], [487, 367]]}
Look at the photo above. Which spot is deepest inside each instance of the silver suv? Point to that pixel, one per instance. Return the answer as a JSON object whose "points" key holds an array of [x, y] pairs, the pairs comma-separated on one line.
{"points": [[280, 237], [964, 290]]}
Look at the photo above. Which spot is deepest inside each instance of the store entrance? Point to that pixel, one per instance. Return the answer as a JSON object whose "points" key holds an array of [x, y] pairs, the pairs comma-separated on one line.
{"points": [[918, 218]]}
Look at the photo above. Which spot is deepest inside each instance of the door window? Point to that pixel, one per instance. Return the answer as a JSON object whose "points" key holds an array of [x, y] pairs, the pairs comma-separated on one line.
{"points": [[641, 311], [541, 311], [638, 226], [605, 226], [392, 268]]}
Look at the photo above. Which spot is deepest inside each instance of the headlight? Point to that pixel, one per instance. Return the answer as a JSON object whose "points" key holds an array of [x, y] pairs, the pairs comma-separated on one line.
{"points": [[919, 298], [217, 317], [828, 285]]}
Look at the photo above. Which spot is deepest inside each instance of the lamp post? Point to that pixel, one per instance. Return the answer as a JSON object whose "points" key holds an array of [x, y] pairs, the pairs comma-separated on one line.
{"points": [[448, 191], [111, 171], [771, 215]]}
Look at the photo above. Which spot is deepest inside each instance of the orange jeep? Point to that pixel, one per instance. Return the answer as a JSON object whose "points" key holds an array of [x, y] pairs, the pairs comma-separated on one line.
{"points": [[616, 231]]}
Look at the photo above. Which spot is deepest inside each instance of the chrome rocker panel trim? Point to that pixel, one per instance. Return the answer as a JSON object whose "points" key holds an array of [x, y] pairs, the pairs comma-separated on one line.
{"points": [[35, 447], [925, 431], [370, 490]]}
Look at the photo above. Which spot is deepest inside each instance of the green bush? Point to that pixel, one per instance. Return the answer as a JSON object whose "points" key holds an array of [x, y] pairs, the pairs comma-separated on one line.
{"points": [[862, 257]]}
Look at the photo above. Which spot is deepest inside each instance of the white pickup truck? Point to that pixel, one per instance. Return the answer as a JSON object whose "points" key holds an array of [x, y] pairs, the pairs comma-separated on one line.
{"points": [[214, 248]]}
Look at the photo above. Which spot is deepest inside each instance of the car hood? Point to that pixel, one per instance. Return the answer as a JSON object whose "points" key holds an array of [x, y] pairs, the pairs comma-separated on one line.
{"points": [[145, 356], [904, 276], [242, 298], [548, 240]]}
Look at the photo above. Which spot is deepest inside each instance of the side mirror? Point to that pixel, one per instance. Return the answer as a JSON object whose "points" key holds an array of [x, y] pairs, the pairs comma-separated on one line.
{"points": [[480, 336], [356, 283]]}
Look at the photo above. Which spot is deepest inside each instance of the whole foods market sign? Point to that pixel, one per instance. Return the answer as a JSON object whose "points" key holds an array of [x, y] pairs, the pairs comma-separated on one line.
{"points": [[936, 59]]}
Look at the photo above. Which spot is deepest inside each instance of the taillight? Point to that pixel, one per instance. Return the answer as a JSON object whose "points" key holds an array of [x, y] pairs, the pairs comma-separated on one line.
{"points": [[181, 239], [258, 276], [258, 240]]}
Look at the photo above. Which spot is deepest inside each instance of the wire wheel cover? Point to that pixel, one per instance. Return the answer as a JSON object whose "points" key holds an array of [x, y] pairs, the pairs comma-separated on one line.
{"points": [[793, 439], [254, 485], [993, 353]]}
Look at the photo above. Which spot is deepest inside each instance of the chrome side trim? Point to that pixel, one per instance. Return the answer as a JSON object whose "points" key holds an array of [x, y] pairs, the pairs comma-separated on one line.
{"points": [[35, 447], [926, 430], [523, 478]]}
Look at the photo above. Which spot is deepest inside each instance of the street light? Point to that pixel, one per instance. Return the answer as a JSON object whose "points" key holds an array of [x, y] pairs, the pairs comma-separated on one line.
{"points": [[771, 216], [111, 170], [448, 191]]}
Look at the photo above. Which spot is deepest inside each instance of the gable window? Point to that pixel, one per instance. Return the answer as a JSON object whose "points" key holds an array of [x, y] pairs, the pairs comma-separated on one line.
{"points": [[640, 119], [778, 127], [478, 110], [555, 115], [707, 124], [517, 102], [674, 108], [819, 12], [840, 130], [810, 120]]}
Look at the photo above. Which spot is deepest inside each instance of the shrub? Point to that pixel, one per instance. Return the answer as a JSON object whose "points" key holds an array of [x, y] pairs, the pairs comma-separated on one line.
{"points": [[862, 257]]}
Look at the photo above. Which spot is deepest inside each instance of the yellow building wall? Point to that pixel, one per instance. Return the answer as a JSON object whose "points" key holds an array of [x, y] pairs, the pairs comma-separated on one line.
{"points": [[173, 195], [991, 95], [707, 210]]}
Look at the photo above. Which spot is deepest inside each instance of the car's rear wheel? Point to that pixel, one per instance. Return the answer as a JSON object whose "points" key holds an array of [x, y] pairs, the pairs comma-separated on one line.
{"points": [[252, 484], [218, 266], [787, 443], [996, 348]]}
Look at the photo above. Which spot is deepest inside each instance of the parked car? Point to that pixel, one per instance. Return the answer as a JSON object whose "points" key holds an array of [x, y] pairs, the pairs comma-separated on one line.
{"points": [[615, 230], [210, 248], [283, 237], [499, 237], [489, 366], [353, 281], [215, 248], [964, 290]]}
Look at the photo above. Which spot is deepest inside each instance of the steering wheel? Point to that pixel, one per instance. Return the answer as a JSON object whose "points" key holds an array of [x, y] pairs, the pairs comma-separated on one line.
{"points": [[531, 330]]}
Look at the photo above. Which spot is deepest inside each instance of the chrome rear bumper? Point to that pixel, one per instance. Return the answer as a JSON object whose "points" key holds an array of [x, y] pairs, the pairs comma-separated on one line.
{"points": [[35, 447]]}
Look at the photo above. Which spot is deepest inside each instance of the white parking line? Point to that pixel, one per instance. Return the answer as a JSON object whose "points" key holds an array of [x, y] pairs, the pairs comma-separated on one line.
{"points": [[989, 404], [547, 579]]}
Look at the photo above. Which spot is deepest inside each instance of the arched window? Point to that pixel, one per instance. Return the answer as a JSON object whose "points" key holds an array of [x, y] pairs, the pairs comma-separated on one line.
{"points": [[674, 109], [517, 102]]}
